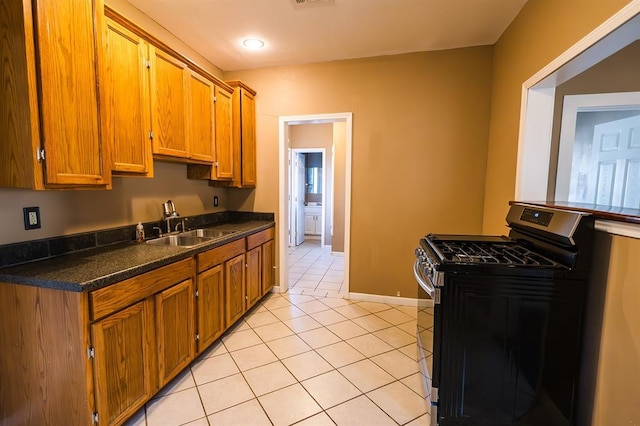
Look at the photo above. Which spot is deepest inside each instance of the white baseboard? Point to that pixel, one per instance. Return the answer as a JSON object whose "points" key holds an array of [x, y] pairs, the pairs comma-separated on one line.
{"points": [[393, 300], [337, 253]]}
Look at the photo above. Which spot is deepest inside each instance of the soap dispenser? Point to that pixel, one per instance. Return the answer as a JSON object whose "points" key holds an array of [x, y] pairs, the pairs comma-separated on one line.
{"points": [[139, 232]]}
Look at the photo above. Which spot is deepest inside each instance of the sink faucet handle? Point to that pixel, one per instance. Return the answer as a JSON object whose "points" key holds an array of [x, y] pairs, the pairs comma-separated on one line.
{"points": [[159, 230], [181, 225]]}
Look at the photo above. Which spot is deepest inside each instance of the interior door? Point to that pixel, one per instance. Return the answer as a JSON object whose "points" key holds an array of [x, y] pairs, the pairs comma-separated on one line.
{"points": [[299, 196], [615, 176]]}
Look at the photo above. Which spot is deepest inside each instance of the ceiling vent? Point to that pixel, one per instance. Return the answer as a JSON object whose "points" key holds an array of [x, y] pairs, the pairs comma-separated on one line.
{"points": [[298, 4]]}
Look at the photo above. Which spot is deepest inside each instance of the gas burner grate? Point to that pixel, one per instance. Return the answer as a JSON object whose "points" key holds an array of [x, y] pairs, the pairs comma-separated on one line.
{"points": [[489, 253]]}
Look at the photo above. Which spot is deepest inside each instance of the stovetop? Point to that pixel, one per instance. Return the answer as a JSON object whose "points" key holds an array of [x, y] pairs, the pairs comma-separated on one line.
{"points": [[486, 250]]}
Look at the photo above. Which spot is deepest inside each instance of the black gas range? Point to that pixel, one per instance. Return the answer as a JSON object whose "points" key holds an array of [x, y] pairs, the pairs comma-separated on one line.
{"points": [[500, 319]]}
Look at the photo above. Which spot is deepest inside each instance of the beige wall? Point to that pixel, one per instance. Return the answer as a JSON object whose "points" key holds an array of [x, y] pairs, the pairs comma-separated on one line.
{"points": [[618, 367], [130, 201], [420, 124], [541, 32]]}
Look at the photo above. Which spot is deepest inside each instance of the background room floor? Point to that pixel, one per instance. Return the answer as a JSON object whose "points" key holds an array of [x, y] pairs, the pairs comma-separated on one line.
{"points": [[313, 270], [306, 360]]}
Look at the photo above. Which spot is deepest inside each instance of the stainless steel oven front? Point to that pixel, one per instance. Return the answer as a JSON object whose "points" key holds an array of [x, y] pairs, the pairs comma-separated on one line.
{"points": [[428, 345]]}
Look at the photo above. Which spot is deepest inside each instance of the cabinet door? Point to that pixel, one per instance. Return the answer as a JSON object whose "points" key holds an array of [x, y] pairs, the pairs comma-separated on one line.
{"points": [[175, 328], [234, 288], [124, 361], [210, 306], [309, 224], [169, 90], [127, 106], [201, 118], [248, 114], [268, 262], [254, 281], [68, 92], [224, 141]]}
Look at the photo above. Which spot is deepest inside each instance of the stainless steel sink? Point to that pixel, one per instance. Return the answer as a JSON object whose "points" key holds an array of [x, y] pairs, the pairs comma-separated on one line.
{"points": [[181, 240], [210, 233]]}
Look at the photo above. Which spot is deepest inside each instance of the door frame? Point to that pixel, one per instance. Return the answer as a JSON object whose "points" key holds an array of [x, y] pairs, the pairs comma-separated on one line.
{"points": [[323, 151], [284, 183]]}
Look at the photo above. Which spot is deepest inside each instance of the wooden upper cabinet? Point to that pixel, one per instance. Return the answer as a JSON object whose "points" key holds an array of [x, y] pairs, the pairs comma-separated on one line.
{"points": [[201, 118], [248, 134], [244, 135], [224, 168], [169, 104], [126, 111], [51, 99]]}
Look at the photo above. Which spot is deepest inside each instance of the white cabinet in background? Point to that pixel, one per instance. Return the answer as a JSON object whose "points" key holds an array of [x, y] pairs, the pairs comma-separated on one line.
{"points": [[313, 220]]}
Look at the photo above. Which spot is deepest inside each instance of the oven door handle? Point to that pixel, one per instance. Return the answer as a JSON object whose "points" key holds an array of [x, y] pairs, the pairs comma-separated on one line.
{"points": [[425, 284]]}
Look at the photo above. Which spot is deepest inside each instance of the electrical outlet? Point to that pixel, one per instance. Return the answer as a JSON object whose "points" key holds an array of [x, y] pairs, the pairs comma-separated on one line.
{"points": [[215, 201], [31, 217], [398, 294]]}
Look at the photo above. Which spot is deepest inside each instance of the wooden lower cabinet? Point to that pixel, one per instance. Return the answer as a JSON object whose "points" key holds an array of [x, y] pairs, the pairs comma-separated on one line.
{"points": [[142, 335], [268, 265], [210, 305], [124, 359], [175, 329], [72, 358], [235, 302], [261, 243], [254, 279]]}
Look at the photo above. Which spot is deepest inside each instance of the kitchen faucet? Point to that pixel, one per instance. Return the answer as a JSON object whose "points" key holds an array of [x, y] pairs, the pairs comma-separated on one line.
{"points": [[169, 210]]}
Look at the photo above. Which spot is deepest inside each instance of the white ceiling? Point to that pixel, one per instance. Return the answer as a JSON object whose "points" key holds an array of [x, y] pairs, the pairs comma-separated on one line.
{"points": [[326, 30]]}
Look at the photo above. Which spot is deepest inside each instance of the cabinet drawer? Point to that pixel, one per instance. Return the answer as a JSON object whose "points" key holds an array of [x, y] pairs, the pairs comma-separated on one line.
{"points": [[110, 299], [259, 238], [214, 257]]}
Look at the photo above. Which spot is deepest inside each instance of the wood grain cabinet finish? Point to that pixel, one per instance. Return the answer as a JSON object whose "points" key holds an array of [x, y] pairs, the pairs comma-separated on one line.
{"points": [[220, 284], [224, 168], [169, 104], [124, 359], [263, 242], [68, 357], [143, 336], [127, 108], [210, 306], [51, 95], [244, 135], [253, 277], [234, 280], [201, 122], [268, 264], [175, 324]]}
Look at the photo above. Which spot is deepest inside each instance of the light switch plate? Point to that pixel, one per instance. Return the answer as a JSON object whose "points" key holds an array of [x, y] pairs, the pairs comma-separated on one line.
{"points": [[31, 217]]}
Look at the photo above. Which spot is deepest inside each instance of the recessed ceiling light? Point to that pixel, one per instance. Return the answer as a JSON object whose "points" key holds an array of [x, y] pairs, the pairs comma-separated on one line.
{"points": [[253, 43]]}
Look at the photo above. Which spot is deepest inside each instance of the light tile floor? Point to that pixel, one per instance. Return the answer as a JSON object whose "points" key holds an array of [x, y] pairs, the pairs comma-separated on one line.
{"points": [[307, 357], [315, 271]]}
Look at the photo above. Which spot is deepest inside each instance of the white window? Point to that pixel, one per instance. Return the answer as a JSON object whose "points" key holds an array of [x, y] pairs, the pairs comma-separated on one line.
{"points": [[599, 153]]}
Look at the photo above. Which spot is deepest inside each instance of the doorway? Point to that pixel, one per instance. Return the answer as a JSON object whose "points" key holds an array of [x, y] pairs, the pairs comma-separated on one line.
{"points": [[288, 219], [311, 184]]}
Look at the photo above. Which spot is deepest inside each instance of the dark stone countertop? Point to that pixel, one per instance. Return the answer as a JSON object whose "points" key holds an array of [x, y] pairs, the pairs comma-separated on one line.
{"points": [[91, 269]]}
